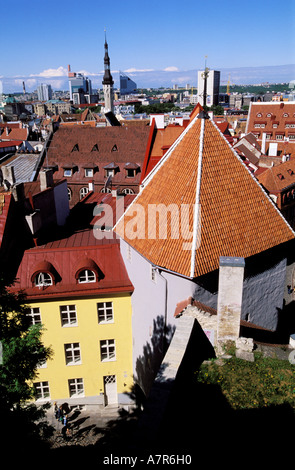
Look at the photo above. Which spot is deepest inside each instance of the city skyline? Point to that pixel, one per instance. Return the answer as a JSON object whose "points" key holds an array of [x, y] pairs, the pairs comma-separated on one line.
{"points": [[163, 41]]}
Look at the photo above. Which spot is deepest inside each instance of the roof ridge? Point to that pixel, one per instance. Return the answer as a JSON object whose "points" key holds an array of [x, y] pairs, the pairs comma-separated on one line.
{"points": [[149, 177]]}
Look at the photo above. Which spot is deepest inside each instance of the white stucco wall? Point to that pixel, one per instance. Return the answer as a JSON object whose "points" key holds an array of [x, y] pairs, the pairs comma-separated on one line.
{"points": [[149, 310]]}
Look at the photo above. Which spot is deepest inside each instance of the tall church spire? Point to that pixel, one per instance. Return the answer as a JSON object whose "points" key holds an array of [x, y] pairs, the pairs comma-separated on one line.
{"points": [[107, 81]]}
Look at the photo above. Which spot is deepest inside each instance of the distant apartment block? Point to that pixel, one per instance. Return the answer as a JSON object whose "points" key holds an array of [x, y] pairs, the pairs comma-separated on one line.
{"points": [[127, 86], [44, 92], [213, 82], [80, 88]]}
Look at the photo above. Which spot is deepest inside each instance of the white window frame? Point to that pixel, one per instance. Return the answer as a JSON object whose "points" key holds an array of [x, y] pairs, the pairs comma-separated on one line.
{"points": [[43, 280], [42, 389], [68, 315], [107, 350], [35, 315], [83, 192], [72, 354], [127, 191], [86, 276], [105, 312], [76, 387], [109, 172], [88, 172], [68, 172]]}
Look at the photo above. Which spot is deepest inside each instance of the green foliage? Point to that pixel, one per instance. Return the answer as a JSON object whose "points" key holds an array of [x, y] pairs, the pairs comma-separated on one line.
{"points": [[265, 382], [23, 350]]}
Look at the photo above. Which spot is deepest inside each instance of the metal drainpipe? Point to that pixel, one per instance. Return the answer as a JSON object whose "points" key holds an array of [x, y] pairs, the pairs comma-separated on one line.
{"points": [[164, 340]]}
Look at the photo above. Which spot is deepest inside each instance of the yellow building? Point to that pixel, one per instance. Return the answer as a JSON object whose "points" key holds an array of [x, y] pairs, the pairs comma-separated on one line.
{"points": [[78, 288]]}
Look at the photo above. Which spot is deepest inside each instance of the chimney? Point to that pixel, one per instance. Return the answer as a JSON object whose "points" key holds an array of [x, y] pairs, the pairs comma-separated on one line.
{"points": [[115, 192], [263, 143], [46, 179], [229, 304], [8, 176]]}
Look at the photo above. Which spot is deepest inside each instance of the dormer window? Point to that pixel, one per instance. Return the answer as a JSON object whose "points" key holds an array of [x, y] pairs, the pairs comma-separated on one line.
{"points": [[88, 172], [43, 280], [285, 115], [280, 176], [115, 148], [111, 169], [44, 274], [75, 148], [131, 169], [87, 271], [94, 148], [259, 115], [86, 275], [68, 172]]}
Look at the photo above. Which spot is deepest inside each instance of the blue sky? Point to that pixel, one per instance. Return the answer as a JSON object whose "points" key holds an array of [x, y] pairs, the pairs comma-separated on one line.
{"points": [[39, 39]]}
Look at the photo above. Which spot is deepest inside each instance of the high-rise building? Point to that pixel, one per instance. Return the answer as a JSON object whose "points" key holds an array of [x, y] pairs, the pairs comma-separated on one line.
{"points": [[127, 86], [80, 87], [107, 82], [212, 92], [44, 92]]}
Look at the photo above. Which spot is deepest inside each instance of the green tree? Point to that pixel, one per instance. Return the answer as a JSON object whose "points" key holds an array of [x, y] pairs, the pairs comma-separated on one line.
{"points": [[22, 351]]}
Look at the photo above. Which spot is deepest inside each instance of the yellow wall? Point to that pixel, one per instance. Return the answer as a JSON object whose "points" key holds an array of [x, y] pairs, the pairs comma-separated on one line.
{"points": [[88, 333]]}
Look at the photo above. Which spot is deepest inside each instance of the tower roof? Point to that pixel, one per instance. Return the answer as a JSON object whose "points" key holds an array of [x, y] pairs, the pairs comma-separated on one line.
{"points": [[229, 212], [107, 78]]}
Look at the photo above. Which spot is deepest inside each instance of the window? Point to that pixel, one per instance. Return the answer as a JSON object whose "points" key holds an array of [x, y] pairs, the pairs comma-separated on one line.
{"points": [[35, 315], [274, 126], [75, 148], [109, 172], [105, 190], [259, 115], [279, 137], [86, 276], [68, 315], [128, 191], [88, 172], [153, 274], [68, 172], [41, 390], [72, 353], [130, 173], [107, 350], [94, 148], [115, 148], [83, 192], [69, 194], [43, 279], [291, 137], [105, 312], [76, 387]]}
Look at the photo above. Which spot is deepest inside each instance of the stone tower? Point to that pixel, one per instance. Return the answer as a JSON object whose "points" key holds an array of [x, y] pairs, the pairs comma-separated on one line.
{"points": [[107, 82]]}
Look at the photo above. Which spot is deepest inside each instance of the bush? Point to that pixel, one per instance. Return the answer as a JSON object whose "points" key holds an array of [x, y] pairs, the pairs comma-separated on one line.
{"points": [[265, 382]]}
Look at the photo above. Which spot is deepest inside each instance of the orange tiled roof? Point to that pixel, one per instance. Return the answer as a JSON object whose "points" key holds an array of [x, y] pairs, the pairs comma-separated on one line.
{"points": [[237, 217], [278, 177]]}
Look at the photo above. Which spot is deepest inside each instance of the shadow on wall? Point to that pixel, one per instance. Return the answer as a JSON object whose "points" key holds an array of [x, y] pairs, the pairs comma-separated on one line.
{"points": [[148, 364]]}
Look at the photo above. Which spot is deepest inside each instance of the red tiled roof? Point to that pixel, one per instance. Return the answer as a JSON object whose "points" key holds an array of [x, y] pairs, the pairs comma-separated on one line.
{"points": [[98, 146], [237, 218], [278, 177], [66, 256]]}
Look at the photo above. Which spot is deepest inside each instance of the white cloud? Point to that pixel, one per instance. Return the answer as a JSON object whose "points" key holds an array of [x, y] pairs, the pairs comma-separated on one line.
{"points": [[172, 68], [132, 70], [59, 72], [30, 82]]}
